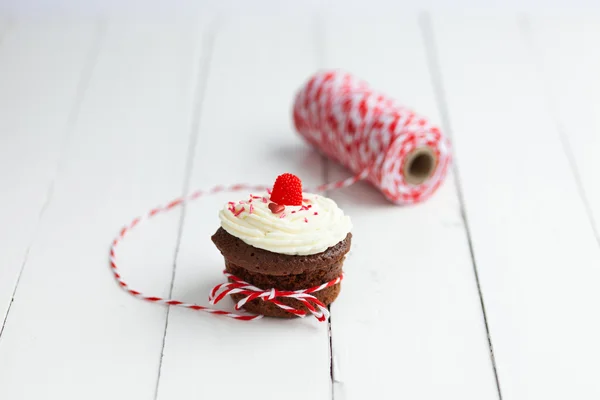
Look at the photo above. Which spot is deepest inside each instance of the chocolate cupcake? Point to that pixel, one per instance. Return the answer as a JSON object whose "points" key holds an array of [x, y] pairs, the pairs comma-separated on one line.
{"points": [[287, 240]]}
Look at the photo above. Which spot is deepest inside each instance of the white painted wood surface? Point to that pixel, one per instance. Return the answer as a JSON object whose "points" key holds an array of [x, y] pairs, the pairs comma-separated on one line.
{"points": [[72, 332], [102, 120], [534, 246], [568, 54], [37, 106]]}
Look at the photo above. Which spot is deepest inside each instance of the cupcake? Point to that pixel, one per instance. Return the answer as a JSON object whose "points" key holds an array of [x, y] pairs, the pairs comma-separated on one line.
{"points": [[284, 239]]}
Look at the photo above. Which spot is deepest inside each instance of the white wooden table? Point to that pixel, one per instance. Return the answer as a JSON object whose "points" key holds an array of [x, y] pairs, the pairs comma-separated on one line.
{"points": [[489, 290]]}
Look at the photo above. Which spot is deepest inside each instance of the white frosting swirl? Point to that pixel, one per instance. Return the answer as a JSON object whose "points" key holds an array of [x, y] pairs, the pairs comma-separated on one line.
{"points": [[299, 230]]}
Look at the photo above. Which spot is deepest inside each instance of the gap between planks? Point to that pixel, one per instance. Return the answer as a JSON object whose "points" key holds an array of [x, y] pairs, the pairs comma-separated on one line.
{"points": [[425, 24], [319, 39], [202, 76], [82, 86]]}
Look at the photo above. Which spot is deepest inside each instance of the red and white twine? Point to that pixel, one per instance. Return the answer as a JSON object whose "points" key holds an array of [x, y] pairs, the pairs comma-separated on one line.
{"points": [[364, 130]]}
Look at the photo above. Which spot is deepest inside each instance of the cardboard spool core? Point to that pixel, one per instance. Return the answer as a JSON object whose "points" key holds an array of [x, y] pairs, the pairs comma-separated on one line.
{"points": [[419, 165]]}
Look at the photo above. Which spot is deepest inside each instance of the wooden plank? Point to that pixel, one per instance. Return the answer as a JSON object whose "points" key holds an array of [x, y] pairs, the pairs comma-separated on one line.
{"points": [[409, 319], [36, 107], [533, 243], [72, 332], [245, 135], [568, 52]]}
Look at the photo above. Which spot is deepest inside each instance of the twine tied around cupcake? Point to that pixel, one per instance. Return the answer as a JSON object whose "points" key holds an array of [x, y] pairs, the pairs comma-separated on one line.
{"points": [[304, 296]]}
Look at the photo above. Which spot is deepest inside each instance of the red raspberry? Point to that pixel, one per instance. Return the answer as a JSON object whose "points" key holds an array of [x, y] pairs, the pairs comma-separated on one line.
{"points": [[287, 190]]}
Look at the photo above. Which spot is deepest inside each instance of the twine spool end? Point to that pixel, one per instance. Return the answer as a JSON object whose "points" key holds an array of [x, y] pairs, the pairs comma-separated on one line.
{"points": [[419, 165]]}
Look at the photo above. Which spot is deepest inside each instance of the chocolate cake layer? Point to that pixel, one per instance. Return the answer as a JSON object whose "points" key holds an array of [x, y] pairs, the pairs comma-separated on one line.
{"points": [[304, 280], [265, 262]]}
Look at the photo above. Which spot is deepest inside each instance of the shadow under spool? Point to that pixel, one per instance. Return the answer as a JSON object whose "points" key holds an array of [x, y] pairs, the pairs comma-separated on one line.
{"points": [[419, 165]]}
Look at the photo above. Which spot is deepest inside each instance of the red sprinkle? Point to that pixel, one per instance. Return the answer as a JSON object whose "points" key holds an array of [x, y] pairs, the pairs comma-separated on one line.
{"points": [[316, 213], [251, 209], [241, 210], [305, 219], [264, 200], [276, 208], [293, 212], [254, 197]]}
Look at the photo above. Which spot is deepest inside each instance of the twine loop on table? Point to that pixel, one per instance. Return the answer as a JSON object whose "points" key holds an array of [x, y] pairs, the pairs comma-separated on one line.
{"points": [[304, 296]]}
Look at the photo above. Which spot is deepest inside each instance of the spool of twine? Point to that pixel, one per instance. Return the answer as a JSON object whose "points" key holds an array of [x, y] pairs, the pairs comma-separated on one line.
{"points": [[400, 152]]}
